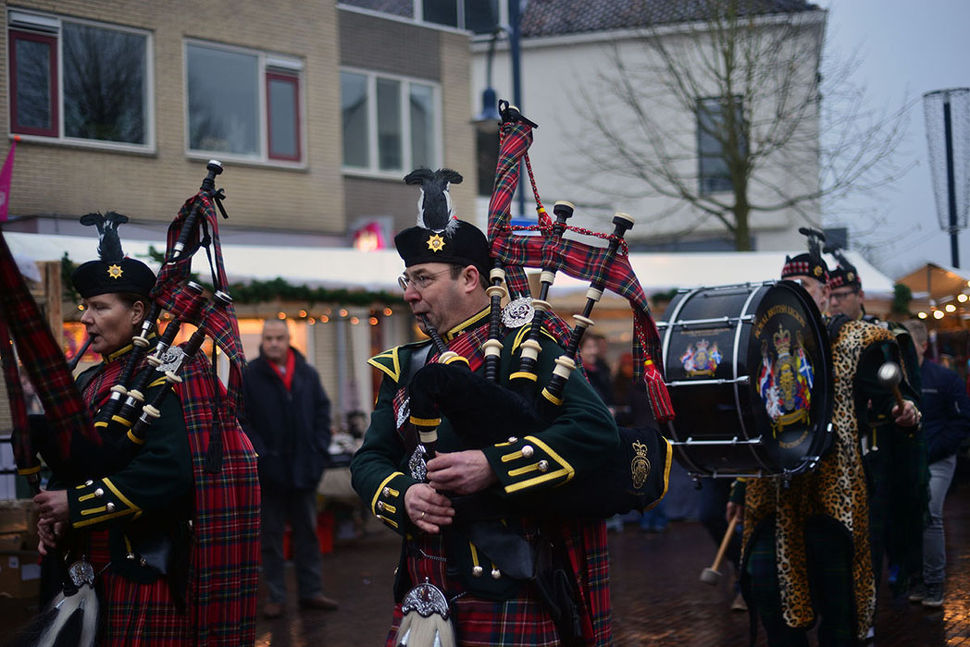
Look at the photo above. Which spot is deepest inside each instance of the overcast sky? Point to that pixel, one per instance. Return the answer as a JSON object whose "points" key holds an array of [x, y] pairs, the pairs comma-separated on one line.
{"points": [[907, 48]]}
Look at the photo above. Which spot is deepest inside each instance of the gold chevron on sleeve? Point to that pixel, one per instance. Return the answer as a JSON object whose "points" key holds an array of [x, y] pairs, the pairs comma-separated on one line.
{"points": [[388, 362]]}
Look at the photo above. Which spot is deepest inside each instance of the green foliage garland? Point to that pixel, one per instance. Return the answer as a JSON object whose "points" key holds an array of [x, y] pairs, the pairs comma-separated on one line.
{"points": [[902, 296]]}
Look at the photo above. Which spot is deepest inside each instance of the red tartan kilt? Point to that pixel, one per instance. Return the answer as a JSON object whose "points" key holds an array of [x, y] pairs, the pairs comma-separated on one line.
{"points": [[522, 622], [135, 614]]}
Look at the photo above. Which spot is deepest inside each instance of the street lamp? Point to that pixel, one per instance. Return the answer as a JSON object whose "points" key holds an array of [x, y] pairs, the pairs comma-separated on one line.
{"points": [[947, 117], [489, 116]]}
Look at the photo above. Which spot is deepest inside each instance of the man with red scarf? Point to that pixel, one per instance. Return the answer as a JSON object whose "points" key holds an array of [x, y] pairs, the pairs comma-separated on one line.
{"points": [[289, 424]]}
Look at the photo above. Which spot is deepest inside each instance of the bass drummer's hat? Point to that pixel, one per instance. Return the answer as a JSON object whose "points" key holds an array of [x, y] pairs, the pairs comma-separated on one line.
{"points": [[844, 277], [112, 272], [805, 265]]}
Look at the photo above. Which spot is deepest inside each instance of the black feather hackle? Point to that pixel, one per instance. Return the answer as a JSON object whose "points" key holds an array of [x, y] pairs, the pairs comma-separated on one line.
{"points": [[109, 243], [434, 204]]}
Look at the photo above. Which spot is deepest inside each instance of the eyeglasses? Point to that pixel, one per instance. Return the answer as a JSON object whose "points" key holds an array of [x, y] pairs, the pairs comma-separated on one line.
{"points": [[839, 296], [420, 280]]}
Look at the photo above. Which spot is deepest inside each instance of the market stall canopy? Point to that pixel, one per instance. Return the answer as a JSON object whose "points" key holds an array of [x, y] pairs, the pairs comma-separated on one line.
{"points": [[351, 269], [332, 268], [937, 282], [663, 272]]}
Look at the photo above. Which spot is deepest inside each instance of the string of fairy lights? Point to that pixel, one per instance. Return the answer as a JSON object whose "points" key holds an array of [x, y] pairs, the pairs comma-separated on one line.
{"points": [[323, 316], [953, 305], [328, 315]]}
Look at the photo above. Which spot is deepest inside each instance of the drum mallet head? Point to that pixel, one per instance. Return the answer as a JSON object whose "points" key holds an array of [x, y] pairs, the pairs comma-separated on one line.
{"points": [[889, 376], [711, 574]]}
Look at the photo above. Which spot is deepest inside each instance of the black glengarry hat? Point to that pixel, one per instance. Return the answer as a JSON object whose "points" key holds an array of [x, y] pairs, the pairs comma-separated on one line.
{"points": [[439, 237], [805, 265], [113, 272], [842, 277]]}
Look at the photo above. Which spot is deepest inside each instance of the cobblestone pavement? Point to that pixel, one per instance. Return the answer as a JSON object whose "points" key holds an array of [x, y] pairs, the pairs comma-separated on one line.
{"points": [[657, 596]]}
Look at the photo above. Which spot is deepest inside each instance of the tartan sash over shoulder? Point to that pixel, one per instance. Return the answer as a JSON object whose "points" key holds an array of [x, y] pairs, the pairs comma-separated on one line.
{"points": [[225, 559], [574, 258]]}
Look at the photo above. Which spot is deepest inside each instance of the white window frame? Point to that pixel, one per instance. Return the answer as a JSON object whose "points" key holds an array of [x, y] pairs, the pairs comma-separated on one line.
{"points": [[267, 62], [417, 15], [407, 163], [51, 24], [721, 183]]}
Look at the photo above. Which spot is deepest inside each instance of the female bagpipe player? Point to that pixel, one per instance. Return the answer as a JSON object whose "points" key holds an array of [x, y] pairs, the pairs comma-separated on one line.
{"points": [[158, 513], [482, 546]]}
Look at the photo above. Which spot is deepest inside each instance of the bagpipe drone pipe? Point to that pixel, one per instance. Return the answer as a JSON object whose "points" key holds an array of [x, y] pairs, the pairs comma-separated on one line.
{"points": [[483, 412]]}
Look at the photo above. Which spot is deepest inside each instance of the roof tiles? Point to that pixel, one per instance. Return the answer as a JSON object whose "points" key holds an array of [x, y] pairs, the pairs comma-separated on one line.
{"points": [[558, 17]]}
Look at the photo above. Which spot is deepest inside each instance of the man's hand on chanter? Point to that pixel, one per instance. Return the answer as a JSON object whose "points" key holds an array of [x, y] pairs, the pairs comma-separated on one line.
{"points": [[464, 472], [427, 509]]}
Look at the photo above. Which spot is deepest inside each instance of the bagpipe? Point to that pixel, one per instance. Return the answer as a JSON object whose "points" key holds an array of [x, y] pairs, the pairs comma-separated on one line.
{"points": [[484, 412], [78, 448]]}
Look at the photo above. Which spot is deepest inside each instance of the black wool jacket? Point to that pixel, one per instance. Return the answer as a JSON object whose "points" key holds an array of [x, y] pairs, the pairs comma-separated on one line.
{"points": [[290, 430]]}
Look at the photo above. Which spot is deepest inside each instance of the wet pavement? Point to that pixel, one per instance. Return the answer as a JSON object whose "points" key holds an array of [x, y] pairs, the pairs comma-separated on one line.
{"points": [[657, 596], [658, 599]]}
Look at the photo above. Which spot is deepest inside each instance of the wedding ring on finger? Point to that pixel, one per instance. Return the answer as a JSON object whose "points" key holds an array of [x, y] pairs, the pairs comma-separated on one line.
{"points": [[424, 513]]}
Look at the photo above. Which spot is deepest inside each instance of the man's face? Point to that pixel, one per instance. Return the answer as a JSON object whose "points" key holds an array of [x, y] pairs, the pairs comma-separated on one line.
{"points": [[110, 322], [435, 296], [819, 291], [846, 301], [275, 341]]}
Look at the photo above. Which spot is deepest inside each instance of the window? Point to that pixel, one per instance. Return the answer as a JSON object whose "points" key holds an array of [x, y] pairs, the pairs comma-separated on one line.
{"points": [[713, 136], [478, 16], [243, 103], [79, 81], [389, 124]]}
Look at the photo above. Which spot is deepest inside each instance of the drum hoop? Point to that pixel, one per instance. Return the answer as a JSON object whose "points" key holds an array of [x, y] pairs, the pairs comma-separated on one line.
{"points": [[737, 391], [668, 333]]}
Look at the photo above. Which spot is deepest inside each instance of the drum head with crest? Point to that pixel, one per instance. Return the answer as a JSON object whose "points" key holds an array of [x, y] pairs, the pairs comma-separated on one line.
{"points": [[749, 373]]}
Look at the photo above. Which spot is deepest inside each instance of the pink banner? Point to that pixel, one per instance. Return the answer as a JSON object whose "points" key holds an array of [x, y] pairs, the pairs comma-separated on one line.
{"points": [[5, 176]]}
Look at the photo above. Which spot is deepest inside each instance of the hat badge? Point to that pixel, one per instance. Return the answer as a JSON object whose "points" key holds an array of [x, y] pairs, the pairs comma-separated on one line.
{"points": [[115, 271], [436, 242], [817, 271]]}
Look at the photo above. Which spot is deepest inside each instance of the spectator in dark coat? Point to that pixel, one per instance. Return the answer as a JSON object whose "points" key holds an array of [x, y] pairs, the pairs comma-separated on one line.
{"points": [[946, 423], [597, 370], [289, 423]]}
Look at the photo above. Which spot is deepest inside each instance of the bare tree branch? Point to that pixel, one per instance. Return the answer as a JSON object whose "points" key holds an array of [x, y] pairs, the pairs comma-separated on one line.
{"points": [[751, 86]]}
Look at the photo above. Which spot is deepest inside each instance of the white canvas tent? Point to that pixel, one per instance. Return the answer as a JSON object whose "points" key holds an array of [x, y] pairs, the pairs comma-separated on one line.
{"points": [[352, 269]]}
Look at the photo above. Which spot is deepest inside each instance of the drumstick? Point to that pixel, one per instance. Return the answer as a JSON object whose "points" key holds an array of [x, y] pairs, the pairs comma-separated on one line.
{"points": [[712, 574]]}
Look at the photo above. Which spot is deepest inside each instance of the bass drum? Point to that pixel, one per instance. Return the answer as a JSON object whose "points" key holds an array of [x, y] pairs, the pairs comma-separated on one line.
{"points": [[749, 372]]}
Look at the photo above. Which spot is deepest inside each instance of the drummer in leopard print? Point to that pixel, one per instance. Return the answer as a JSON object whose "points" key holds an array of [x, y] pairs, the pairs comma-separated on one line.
{"points": [[806, 547]]}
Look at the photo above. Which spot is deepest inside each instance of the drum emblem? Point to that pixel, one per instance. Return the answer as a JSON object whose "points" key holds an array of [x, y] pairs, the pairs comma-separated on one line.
{"points": [[701, 359], [640, 465], [785, 380]]}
